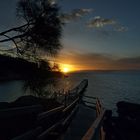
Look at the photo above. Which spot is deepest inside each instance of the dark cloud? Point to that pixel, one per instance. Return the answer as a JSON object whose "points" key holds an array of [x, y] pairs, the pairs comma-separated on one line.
{"points": [[132, 60], [129, 63]]}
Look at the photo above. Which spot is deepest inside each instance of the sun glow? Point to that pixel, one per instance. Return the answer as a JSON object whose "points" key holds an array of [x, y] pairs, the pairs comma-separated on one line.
{"points": [[66, 68]]}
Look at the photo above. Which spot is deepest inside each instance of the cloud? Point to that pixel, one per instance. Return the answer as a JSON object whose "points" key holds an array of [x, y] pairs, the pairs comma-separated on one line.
{"points": [[129, 60], [129, 63], [81, 12], [99, 61], [99, 22], [120, 28], [84, 61], [96, 23], [75, 14], [52, 2]]}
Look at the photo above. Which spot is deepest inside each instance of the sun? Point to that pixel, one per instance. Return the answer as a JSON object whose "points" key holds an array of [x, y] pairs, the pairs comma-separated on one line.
{"points": [[65, 69]]}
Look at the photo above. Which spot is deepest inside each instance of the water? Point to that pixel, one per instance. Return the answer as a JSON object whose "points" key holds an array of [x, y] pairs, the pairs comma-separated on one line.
{"points": [[109, 86], [113, 86], [9, 91]]}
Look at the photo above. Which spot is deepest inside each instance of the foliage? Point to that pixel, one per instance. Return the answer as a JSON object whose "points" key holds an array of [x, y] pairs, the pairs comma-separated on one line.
{"points": [[41, 29]]}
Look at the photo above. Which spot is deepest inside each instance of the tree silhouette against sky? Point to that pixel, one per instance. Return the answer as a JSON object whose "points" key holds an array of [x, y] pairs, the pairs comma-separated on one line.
{"points": [[40, 30]]}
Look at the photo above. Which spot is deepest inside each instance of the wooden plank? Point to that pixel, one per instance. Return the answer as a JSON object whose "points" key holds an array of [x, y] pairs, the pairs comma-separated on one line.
{"points": [[47, 119], [62, 122], [97, 111], [69, 118], [71, 105], [50, 112], [98, 107], [94, 127], [99, 102]]}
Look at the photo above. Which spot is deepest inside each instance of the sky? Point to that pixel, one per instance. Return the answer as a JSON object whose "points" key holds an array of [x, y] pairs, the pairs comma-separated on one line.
{"points": [[98, 34]]}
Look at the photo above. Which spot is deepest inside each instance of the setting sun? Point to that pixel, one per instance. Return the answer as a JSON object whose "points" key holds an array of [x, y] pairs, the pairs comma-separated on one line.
{"points": [[65, 70]]}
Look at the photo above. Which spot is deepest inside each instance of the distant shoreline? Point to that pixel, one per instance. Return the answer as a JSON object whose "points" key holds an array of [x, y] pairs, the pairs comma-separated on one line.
{"points": [[101, 71], [13, 77], [21, 69]]}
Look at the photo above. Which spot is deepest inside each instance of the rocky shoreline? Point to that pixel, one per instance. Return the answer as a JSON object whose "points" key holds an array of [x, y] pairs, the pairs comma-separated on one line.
{"points": [[125, 126]]}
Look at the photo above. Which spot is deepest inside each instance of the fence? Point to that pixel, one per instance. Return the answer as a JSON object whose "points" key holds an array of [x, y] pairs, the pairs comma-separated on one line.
{"points": [[95, 132]]}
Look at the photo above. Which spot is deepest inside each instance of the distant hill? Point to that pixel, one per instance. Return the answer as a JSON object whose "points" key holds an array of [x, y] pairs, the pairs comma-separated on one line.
{"points": [[17, 68]]}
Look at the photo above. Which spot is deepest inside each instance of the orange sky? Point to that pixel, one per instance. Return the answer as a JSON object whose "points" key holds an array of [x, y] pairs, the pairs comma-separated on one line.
{"points": [[93, 61]]}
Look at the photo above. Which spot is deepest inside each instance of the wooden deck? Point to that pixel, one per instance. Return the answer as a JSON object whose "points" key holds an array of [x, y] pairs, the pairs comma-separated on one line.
{"points": [[80, 124], [87, 124]]}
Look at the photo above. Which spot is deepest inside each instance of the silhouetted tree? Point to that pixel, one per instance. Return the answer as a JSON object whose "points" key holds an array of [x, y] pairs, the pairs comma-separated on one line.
{"points": [[56, 67], [41, 29], [44, 65], [40, 87]]}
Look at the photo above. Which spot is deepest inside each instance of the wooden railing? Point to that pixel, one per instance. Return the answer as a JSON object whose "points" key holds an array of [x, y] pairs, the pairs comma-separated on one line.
{"points": [[67, 97], [99, 107], [50, 112], [95, 132], [45, 125]]}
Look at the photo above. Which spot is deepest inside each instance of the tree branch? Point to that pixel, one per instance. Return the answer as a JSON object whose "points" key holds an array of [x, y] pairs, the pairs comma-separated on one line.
{"points": [[16, 28], [18, 51], [12, 38]]}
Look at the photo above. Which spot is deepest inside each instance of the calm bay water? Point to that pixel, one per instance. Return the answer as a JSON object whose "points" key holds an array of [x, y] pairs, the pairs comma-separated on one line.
{"points": [[109, 86]]}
